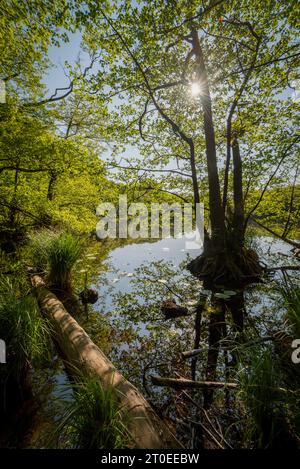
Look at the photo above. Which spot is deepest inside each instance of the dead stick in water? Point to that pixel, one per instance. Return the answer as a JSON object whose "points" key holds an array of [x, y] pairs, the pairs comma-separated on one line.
{"points": [[182, 383]]}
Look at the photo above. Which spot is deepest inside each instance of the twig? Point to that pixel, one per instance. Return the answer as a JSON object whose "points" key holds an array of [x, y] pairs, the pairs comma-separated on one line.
{"points": [[189, 398], [200, 424]]}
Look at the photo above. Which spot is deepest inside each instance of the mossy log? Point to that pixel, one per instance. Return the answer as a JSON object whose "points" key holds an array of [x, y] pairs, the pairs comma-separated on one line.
{"points": [[80, 353]]}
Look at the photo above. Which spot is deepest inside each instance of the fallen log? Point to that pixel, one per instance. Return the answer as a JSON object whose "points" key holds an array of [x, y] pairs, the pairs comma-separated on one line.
{"points": [[80, 353], [182, 383]]}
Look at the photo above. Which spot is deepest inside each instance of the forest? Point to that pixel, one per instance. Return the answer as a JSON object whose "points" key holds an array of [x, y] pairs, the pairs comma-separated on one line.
{"points": [[145, 332]]}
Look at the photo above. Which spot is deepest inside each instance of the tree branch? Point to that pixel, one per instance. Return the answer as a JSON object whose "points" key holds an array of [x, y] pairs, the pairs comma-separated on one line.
{"points": [[131, 168], [270, 179], [231, 112], [286, 240]]}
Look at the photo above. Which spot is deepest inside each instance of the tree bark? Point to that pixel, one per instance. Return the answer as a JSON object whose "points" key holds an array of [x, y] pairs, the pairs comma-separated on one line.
{"points": [[191, 353], [194, 175]]}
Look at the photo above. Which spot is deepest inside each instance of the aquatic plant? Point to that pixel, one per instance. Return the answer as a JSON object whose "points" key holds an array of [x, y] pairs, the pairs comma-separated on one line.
{"points": [[63, 251]]}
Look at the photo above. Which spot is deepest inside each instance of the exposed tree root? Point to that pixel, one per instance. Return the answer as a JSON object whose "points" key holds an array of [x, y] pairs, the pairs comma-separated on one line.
{"points": [[227, 268]]}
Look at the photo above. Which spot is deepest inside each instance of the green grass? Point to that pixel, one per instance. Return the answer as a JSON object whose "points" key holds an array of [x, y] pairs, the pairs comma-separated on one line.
{"points": [[93, 420], [25, 332], [291, 296], [56, 254], [38, 249], [269, 398], [259, 379]]}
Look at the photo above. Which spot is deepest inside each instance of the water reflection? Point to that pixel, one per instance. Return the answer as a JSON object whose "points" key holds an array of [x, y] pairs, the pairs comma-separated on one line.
{"points": [[140, 277], [127, 323]]}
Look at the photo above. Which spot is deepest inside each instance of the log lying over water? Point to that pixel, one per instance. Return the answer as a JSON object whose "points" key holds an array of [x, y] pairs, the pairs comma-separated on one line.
{"points": [[182, 383], [79, 352]]}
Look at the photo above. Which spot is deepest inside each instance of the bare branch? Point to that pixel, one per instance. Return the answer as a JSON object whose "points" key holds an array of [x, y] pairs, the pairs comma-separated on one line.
{"points": [[68, 89], [297, 139], [23, 170], [231, 113], [131, 168], [273, 233]]}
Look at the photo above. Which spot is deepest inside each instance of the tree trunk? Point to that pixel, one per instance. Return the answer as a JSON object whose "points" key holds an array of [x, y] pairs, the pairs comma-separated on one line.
{"points": [[238, 197], [52, 180], [13, 204], [224, 260], [215, 205], [198, 319], [81, 354]]}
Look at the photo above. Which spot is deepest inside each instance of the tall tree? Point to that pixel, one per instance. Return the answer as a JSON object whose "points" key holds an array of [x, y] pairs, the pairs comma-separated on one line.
{"points": [[198, 84]]}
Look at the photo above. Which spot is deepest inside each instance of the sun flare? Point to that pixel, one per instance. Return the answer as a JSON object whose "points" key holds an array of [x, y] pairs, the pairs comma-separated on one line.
{"points": [[195, 89]]}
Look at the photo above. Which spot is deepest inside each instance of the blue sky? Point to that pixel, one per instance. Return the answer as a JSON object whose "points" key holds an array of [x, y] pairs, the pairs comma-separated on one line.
{"points": [[55, 77]]}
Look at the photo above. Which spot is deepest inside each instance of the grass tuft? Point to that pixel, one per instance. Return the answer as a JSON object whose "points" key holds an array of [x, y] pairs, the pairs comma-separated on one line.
{"points": [[93, 420], [55, 254], [270, 404], [291, 296], [25, 332]]}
